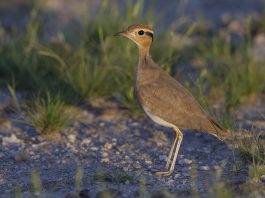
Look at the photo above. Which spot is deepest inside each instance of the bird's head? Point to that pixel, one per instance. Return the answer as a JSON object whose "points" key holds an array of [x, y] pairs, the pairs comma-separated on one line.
{"points": [[141, 34]]}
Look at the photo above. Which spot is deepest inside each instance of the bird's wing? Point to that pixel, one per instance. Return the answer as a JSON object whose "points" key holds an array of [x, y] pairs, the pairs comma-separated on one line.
{"points": [[169, 100]]}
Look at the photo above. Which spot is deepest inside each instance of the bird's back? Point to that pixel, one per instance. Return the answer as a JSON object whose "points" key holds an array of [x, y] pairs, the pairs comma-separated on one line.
{"points": [[161, 96]]}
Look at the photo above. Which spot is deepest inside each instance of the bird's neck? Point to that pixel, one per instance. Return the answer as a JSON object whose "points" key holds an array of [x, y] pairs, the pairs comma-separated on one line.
{"points": [[144, 56]]}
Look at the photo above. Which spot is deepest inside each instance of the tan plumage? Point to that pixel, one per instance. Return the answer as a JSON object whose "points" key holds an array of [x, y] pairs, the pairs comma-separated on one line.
{"points": [[164, 99]]}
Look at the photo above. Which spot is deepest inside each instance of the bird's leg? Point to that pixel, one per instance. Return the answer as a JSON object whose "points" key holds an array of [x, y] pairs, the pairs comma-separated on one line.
{"points": [[179, 136], [171, 152]]}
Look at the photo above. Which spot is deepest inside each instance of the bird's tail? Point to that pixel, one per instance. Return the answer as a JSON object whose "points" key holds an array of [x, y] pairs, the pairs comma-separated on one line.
{"points": [[224, 134], [220, 131]]}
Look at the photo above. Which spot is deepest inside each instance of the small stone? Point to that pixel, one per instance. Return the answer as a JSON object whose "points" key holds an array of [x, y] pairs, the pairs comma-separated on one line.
{"points": [[262, 178], [11, 140], [170, 181], [108, 146], [125, 169], [105, 154], [86, 141], [134, 124], [137, 165], [72, 138], [105, 160], [176, 176], [20, 156], [185, 162], [148, 161], [162, 157], [94, 148], [205, 168]]}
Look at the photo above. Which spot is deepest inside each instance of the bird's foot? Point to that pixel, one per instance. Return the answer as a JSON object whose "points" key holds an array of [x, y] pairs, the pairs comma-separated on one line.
{"points": [[163, 173]]}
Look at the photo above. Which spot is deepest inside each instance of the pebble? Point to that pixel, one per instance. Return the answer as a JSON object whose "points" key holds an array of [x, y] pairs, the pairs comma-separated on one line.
{"points": [[72, 138], [205, 168], [184, 162], [176, 176], [125, 169], [93, 148], [86, 141], [105, 160], [20, 156], [148, 161], [262, 178], [137, 165], [170, 181], [105, 154], [108, 146], [134, 124], [11, 140]]}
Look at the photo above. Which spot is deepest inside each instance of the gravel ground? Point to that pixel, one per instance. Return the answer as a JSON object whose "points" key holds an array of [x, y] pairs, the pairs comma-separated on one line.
{"points": [[118, 155]]}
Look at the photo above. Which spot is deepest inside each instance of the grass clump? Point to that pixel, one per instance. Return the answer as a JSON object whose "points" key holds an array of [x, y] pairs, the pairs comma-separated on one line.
{"points": [[253, 148], [36, 184], [252, 151], [48, 115], [105, 176], [232, 71]]}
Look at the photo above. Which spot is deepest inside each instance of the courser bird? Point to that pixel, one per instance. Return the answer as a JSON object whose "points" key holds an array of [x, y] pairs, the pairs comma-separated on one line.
{"points": [[164, 99]]}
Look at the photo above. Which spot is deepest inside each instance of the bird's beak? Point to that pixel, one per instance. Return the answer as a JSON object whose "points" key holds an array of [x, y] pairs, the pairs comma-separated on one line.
{"points": [[122, 33]]}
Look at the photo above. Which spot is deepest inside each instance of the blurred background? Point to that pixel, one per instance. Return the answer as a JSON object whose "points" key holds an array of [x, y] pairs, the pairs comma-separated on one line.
{"points": [[216, 48]]}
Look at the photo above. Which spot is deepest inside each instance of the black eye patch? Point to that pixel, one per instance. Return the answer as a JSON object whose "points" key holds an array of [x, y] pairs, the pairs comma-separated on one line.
{"points": [[141, 32], [149, 34]]}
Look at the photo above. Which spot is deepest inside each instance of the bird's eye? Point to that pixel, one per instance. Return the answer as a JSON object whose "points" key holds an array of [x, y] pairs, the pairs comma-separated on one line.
{"points": [[141, 32]]}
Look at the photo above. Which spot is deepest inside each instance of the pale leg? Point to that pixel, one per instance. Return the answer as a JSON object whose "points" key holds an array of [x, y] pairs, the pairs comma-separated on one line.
{"points": [[179, 137], [171, 152]]}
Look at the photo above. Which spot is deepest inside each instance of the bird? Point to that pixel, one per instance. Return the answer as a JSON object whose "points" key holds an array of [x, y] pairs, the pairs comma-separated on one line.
{"points": [[164, 99]]}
